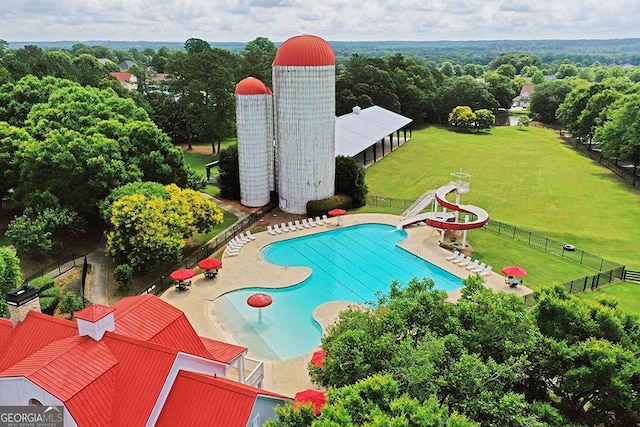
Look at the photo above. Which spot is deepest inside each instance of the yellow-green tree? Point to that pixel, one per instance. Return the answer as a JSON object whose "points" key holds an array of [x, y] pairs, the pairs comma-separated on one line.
{"points": [[148, 229]]}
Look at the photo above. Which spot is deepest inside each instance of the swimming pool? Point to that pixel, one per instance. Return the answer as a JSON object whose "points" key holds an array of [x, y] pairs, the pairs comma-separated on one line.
{"points": [[349, 264]]}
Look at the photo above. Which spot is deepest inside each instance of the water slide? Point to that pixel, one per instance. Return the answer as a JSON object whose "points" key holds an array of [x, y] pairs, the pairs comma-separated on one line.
{"points": [[446, 220]]}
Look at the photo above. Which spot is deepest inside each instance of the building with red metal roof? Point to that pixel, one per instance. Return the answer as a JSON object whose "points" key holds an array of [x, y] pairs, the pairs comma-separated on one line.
{"points": [[137, 363]]}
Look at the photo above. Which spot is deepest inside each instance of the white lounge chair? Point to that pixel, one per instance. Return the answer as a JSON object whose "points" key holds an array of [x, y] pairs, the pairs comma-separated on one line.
{"points": [[319, 221], [458, 258], [325, 219], [284, 227], [277, 228], [486, 271], [305, 223], [231, 253], [271, 230], [311, 222], [291, 226], [479, 268], [453, 255], [464, 262], [233, 245], [240, 240], [250, 236], [298, 225], [473, 265], [244, 238]]}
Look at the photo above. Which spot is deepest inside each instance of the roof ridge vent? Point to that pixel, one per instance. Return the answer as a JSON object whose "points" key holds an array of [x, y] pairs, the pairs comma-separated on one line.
{"points": [[95, 320]]}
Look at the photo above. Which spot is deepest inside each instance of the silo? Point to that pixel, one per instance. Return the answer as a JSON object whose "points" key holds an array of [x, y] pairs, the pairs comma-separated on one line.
{"points": [[304, 104], [253, 116]]}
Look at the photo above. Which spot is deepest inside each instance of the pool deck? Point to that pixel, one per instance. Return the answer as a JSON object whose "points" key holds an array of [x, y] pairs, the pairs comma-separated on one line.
{"points": [[249, 270]]}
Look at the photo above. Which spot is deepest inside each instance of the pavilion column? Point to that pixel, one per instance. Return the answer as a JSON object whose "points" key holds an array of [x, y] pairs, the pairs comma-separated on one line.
{"points": [[375, 148], [398, 136], [364, 157], [391, 142], [383, 147]]}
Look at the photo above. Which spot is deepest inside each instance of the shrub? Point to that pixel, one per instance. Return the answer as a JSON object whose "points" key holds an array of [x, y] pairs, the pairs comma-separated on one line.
{"points": [[53, 291], [321, 207], [48, 305], [350, 180], [123, 275], [70, 303], [41, 283]]}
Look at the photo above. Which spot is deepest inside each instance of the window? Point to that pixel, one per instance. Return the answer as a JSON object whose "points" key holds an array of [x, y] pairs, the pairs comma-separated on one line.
{"points": [[34, 402]]}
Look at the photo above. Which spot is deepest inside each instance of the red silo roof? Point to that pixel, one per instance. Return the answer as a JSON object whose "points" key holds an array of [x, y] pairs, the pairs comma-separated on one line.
{"points": [[250, 86], [305, 50]]}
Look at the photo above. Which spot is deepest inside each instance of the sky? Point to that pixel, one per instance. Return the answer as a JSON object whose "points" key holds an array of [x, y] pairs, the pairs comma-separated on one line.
{"points": [[333, 20]]}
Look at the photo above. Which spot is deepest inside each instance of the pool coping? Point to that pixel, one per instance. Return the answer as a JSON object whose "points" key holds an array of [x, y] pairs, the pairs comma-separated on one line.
{"points": [[248, 269]]}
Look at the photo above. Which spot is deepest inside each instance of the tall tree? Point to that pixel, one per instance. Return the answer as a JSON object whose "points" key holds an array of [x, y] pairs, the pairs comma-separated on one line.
{"points": [[10, 276], [547, 98], [256, 59]]}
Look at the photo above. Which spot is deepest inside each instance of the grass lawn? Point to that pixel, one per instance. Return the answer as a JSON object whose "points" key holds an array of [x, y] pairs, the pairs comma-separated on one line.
{"points": [[626, 294], [529, 178]]}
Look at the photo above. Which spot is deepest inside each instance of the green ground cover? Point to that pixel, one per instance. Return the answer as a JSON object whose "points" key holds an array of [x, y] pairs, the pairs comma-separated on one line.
{"points": [[626, 294], [526, 177]]}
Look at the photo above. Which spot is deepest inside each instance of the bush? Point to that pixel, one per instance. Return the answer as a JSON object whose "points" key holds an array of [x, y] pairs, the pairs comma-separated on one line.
{"points": [[70, 303], [41, 283], [48, 305], [123, 275], [323, 206], [53, 291], [350, 180]]}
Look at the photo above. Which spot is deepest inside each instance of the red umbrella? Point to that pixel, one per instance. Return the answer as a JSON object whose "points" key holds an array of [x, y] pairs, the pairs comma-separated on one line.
{"points": [[337, 212], [318, 358], [259, 301], [315, 397], [210, 263], [184, 274], [512, 270]]}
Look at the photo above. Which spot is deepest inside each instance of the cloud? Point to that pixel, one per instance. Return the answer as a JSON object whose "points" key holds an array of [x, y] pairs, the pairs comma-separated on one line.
{"points": [[244, 20]]}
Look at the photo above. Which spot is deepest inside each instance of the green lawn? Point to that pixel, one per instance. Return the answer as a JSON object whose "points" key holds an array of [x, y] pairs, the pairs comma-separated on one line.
{"points": [[198, 161], [626, 294], [528, 178]]}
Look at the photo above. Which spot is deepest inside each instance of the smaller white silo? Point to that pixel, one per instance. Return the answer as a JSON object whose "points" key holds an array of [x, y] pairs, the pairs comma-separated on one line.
{"points": [[254, 131]]}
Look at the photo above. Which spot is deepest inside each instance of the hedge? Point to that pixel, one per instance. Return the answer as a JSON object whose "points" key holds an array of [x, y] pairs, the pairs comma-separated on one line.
{"points": [[53, 291], [41, 283], [323, 206], [48, 305]]}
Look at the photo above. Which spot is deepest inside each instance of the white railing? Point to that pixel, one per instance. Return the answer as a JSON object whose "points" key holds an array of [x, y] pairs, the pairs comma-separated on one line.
{"points": [[254, 372], [419, 204]]}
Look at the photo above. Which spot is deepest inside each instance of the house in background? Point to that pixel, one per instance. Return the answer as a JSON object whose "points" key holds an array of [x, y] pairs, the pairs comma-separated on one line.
{"points": [[126, 79], [125, 65], [522, 100], [137, 363]]}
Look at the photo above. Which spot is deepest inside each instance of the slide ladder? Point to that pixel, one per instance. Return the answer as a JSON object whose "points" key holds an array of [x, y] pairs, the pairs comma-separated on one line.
{"points": [[417, 206]]}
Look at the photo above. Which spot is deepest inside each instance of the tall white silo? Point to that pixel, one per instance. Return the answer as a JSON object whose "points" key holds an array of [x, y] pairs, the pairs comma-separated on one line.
{"points": [[271, 141], [304, 111], [253, 117]]}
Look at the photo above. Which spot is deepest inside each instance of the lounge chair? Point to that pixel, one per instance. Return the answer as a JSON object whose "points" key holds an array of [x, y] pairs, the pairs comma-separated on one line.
{"points": [[319, 221], [244, 238], [298, 225], [464, 261], [284, 227], [277, 228], [325, 219], [473, 265], [311, 223], [231, 253], [479, 268], [453, 255], [271, 230], [486, 271], [233, 246], [458, 258], [305, 223], [291, 226], [250, 236]]}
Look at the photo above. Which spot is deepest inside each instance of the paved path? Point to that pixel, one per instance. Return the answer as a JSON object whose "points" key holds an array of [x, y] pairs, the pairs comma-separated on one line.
{"points": [[97, 278]]}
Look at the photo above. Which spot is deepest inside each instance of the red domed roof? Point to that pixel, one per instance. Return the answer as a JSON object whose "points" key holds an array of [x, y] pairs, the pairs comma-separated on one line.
{"points": [[250, 86], [305, 50]]}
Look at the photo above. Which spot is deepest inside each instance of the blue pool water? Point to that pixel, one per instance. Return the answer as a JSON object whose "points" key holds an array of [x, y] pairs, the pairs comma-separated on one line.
{"points": [[349, 264]]}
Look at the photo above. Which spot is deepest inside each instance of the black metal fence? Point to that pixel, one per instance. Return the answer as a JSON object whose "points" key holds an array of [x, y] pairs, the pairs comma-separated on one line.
{"points": [[627, 174], [389, 203], [555, 247], [163, 283], [58, 268]]}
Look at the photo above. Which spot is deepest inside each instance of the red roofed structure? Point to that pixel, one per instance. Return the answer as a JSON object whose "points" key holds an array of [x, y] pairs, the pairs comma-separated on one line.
{"points": [[251, 86], [305, 50], [137, 363]]}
